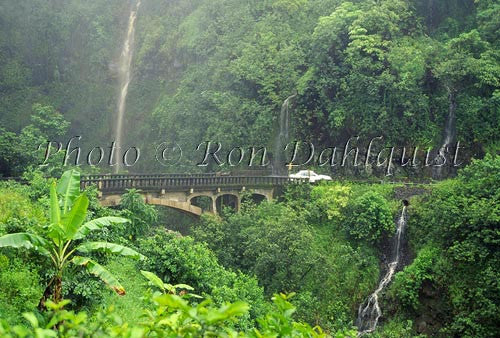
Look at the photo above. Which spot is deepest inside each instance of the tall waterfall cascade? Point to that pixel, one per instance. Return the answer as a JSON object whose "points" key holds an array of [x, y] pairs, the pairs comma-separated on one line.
{"points": [[124, 80], [282, 138], [369, 312]]}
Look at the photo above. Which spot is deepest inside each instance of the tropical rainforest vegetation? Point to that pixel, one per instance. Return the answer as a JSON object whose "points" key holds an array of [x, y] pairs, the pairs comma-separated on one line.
{"points": [[302, 249], [415, 73], [220, 70]]}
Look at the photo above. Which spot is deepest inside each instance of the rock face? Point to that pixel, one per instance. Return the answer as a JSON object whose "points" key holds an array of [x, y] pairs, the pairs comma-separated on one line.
{"points": [[432, 308], [421, 326], [404, 193]]}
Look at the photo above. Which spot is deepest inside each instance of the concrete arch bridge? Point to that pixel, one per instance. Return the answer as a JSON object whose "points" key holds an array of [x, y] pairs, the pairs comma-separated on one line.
{"points": [[184, 191]]}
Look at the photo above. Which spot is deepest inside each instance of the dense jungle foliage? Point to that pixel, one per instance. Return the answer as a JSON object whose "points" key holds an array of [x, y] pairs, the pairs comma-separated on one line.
{"points": [[415, 73], [317, 247], [220, 70]]}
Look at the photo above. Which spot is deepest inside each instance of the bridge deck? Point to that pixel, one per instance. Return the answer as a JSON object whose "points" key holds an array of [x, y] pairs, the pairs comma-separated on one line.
{"points": [[180, 182]]}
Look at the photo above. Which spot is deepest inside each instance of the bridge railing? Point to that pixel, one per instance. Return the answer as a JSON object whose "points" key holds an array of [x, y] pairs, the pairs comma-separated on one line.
{"points": [[119, 183], [142, 176]]}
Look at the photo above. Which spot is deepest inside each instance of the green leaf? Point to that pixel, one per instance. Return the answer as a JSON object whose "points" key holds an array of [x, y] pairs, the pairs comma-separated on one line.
{"points": [[56, 233], [154, 279], [30, 317], [25, 240], [172, 301], [56, 306], [183, 286], [45, 333], [99, 271], [136, 332], [55, 211], [72, 220], [228, 311], [69, 188], [110, 248], [55, 230], [20, 331], [97, 224]]}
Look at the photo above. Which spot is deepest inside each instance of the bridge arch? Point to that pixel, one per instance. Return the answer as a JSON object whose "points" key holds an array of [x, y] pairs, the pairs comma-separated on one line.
{"points": [[204, 201], [200, 194], [255, 197], [230, 199], [115, 199], [179, 205]]}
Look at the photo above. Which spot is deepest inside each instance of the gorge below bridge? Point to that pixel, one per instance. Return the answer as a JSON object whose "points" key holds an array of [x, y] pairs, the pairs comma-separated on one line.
{"points": [[185, 191]]}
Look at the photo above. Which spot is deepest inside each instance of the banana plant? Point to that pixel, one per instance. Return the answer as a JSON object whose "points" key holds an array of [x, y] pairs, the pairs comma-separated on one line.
{"points": [[63, 242]]}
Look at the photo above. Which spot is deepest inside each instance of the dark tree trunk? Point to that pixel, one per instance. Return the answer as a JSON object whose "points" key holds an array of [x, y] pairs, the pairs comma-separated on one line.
{"points": [[57, 289], [53, 290], [46, 295]]}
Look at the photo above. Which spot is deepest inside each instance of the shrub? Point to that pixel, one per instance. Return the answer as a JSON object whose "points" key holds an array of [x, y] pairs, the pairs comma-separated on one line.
{"points": [[332, 199], [20, 289], [141, 215], [368, 217], [181, 260], [173, 316], [407, 283]]}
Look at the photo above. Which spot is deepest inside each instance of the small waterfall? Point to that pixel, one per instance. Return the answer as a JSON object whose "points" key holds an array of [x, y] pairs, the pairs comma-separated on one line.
{"points": [[283, 137], [369, 312], [449, 134], [124, 80]]}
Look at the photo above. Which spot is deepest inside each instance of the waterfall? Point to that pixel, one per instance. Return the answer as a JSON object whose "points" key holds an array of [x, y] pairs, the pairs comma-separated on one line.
{"points": [[369, 312], [124, 80], [449, 134], [282, 138]]}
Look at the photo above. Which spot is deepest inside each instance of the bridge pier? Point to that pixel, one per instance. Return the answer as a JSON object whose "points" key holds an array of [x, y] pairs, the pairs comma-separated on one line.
{"points": [[214, 204]]}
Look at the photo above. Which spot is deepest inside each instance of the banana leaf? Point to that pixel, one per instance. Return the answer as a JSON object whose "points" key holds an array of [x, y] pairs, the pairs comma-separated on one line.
{"points": [[97, 224], [25, 240], [109, 248], [99, 271]]}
